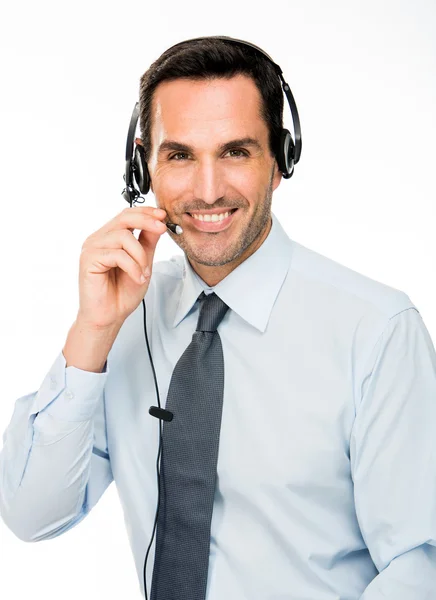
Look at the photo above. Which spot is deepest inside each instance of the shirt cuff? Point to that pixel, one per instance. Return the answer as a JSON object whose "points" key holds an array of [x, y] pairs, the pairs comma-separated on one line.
{"points": [[69, 393]]}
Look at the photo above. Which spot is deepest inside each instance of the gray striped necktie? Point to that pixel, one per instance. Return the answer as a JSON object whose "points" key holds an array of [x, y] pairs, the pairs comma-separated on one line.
{"points": [[189, 462]]}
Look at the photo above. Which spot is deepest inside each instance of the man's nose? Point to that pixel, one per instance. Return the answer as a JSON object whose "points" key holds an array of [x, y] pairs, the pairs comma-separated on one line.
{"points": [[208, 182]]}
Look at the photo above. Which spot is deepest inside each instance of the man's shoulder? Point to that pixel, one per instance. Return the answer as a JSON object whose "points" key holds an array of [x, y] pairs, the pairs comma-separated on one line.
{"points": [[346, 281]]}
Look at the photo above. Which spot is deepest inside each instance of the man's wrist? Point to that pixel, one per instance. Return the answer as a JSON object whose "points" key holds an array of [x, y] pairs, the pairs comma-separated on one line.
{"points": [[87, 347]]}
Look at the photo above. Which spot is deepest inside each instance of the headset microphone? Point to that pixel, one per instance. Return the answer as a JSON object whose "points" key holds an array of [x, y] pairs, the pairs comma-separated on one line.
{"points": [[174, 228]]}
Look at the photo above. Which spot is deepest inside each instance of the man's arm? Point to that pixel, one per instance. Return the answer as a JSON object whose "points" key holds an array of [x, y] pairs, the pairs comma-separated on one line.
{"points": [[54, 464], [393, 461]]}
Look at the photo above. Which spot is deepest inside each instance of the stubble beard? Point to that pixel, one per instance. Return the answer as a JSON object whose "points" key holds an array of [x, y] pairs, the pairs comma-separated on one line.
{"points": [[252, 230]]}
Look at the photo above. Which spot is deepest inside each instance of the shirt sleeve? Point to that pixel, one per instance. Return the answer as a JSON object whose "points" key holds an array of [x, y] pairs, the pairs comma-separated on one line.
{"points": [[393, 461], [54, 464]]}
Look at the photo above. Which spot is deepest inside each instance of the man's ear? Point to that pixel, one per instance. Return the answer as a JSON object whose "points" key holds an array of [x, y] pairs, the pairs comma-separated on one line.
{"points": [[277, 177], [138, 141]]}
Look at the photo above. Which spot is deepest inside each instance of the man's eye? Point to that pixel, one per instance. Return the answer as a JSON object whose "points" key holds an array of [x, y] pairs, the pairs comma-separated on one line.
{"points": [[236, 152], [178, 156]]}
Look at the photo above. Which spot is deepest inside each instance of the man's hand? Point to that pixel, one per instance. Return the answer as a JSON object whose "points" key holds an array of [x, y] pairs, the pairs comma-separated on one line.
{"points": [[115, 267]]}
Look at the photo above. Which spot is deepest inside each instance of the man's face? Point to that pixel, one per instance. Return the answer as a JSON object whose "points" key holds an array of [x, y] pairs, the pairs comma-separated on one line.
{"points": [[210, 154]]}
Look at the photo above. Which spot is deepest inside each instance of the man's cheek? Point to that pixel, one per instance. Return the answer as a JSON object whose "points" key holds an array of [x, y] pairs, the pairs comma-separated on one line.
{"points": [[244, 179], [171, 187]]}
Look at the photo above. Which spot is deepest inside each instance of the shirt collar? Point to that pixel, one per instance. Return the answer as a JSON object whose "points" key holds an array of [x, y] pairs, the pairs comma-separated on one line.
{"points": [[251, 289]]}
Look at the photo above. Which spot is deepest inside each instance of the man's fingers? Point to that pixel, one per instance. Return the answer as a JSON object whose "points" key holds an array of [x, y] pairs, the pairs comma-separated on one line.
{"points": [[124, 240], [104, 259], [144, 218]]}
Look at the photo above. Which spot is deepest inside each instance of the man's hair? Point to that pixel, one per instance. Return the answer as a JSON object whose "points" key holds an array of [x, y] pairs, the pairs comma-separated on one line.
{"points": [[210, 59]]}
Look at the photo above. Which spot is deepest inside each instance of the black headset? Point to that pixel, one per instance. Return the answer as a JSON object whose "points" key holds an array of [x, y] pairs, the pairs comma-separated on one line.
{"points": [[136, 175], [137, 181]]}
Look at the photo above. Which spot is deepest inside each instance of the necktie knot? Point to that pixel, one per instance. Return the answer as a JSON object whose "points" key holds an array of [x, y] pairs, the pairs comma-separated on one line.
{"points": [[212, 312]]}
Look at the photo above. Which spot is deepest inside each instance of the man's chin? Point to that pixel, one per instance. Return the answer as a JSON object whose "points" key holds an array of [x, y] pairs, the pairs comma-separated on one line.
{"points": [[211, 261]]}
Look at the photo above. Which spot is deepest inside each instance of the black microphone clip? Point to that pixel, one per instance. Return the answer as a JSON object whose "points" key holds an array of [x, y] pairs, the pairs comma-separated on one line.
{"points": [[161, 413]]}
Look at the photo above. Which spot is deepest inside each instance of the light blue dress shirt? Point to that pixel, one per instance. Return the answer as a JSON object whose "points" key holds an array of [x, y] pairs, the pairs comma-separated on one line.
{"points": [[326, 485]]}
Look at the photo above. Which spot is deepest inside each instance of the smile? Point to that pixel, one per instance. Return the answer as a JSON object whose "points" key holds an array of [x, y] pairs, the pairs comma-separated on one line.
{"points": [[217, 221]]}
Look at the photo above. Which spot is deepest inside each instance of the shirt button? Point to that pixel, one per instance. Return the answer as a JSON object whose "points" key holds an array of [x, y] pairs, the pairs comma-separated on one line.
{"points": [[69, 394]]}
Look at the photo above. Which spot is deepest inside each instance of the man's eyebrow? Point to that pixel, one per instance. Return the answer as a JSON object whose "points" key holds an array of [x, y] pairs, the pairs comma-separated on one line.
{"points": [[167, 145], [171, 145], [247, 141]]}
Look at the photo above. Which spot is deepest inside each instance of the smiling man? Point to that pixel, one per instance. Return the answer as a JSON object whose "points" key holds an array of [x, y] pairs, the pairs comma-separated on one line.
{"points": [[210, 155], [298, 439]]}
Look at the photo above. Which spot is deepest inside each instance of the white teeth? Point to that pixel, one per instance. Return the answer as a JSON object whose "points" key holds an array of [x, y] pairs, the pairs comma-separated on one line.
{"points": [[220, 217]]}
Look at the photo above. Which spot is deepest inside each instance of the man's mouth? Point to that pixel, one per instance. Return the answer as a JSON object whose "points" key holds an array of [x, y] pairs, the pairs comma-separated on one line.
{"points": [[216, 220], [212, 216]]}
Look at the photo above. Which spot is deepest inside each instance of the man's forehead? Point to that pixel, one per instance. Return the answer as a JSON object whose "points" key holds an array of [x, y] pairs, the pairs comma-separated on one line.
{"points": [[206, 98], [222, 108]]}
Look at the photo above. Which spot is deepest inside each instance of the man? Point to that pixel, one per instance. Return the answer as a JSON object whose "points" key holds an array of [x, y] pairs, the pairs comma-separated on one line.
{"points": [[326, 475]]}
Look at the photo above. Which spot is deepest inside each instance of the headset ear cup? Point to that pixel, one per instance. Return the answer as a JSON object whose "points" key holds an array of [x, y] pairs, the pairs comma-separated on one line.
{"points": [[140, 170], [286, 153]]}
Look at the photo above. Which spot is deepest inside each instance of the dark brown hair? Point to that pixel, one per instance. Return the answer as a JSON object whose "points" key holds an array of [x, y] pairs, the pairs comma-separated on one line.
{"points": [[212, 58]]}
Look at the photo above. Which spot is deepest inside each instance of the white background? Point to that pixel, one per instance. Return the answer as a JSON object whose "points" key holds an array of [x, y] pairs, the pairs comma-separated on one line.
{"points": [[363, 76]]}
